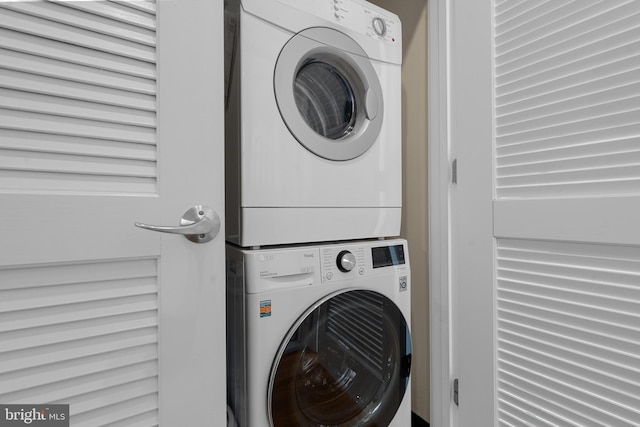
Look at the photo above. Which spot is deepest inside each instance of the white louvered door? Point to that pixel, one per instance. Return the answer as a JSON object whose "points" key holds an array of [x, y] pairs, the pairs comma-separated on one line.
{"points": [[547, 275], [111, 112]]}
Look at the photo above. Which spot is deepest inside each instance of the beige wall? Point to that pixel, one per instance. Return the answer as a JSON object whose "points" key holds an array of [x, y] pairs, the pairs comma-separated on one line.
{"points": [[413, 14]]}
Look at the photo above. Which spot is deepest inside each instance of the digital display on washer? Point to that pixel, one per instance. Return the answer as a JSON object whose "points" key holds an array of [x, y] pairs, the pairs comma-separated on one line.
{"points": [[386, 256]]}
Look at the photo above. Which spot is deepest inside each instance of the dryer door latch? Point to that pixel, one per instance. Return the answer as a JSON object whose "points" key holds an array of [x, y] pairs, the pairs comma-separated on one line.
{"points": [[455, 392], [454, 171]]}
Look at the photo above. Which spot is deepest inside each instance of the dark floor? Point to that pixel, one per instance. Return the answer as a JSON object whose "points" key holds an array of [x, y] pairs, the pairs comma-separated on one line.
{"points": [[416, 421]]}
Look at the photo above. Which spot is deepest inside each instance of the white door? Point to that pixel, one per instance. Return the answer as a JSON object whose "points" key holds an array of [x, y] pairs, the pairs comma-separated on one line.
{"points": [[545, 126], [111, 113]]}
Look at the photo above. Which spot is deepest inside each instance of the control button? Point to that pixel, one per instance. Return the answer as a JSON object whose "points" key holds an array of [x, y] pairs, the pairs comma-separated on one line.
{"points": [[346, 261], [361, 271], [329, 275], [379, 26]]}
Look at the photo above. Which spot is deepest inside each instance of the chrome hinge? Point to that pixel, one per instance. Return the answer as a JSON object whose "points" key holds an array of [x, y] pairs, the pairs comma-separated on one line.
{"points": [[455, 392], [454, 171]]}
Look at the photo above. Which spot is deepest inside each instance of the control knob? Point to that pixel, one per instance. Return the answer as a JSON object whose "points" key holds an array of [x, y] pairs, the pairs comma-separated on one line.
{"points": [[379, 26], [346, 261]]}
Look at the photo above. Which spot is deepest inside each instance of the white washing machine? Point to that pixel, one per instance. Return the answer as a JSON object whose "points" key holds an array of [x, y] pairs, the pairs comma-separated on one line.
{"points": [[313, 123], [319, 335]]}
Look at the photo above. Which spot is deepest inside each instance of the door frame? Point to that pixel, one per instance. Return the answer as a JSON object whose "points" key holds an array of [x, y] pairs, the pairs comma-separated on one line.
{"points": [[439, 173]]}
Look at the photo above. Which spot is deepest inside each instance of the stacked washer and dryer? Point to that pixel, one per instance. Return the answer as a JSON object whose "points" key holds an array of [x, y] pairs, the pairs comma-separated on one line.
{"points": [[318, 288]]}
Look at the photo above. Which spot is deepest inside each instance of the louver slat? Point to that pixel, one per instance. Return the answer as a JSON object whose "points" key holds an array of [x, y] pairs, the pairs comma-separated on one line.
{"points": [[72, 54], [82, 334], [77, 97], [78, 91], [568, 332], [143, 17], [30, 121], [148, 6], [585, 24], [118, 412], [508, 11], [68, 73], [63, 390], [505, 6], [64, 144], [65, 33], [568, 100], [76, 18], [527, 15], [62, 106]]}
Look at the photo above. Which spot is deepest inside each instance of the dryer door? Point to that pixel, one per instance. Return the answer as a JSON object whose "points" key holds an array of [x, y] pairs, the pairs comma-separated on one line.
{"points": [[345, 363], [328, 94]]}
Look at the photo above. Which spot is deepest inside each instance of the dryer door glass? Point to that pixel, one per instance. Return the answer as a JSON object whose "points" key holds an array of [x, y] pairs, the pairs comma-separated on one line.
{"points": [[325, 99], [345, 363]]}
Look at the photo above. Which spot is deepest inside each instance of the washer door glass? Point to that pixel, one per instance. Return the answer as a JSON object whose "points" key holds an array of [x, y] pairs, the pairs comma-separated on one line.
{"points": [[345, 363], [328, 94]]}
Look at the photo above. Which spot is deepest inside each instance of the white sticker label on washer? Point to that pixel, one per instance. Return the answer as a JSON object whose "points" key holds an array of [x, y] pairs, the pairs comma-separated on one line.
{"points": [[403, 286]]}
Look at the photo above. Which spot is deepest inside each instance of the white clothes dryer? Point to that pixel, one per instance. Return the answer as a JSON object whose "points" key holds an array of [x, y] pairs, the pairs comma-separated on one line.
{"points": [[313, 123], [319, 335]]}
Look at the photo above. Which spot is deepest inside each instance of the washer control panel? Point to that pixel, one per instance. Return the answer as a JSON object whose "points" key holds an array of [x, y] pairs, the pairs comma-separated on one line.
{"points": [[352, 261], [271, 269], [338, 262]]}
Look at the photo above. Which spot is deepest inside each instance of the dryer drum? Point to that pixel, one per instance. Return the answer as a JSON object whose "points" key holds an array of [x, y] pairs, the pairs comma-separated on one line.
{"points": [[346, 363], [325, 99]]}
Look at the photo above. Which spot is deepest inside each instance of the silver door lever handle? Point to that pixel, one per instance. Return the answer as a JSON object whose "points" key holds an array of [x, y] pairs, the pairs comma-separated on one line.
{"points": [[200, 224]]}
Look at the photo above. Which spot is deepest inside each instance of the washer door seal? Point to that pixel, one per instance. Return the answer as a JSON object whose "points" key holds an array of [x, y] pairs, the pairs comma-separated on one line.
{"points": [[328, 94]]}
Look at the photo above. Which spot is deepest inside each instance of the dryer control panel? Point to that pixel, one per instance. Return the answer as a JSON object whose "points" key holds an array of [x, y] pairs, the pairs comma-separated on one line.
{"points": [[376, 30], [364, 18]]}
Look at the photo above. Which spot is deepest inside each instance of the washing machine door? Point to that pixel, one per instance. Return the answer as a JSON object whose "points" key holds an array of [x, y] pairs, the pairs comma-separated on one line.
{"points": [[329, 94], [345, 363]]}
